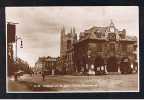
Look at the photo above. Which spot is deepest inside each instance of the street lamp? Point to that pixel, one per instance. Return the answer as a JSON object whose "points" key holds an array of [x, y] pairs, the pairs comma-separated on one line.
{"points": [[21, 46]]}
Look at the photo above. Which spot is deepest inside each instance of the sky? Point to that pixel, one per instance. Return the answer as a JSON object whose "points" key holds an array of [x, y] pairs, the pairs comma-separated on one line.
{"points": [[39, 27]]}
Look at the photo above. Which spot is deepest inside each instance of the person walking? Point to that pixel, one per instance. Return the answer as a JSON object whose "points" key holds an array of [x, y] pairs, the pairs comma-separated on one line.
{"points": [[16, 76], [43, 75]]}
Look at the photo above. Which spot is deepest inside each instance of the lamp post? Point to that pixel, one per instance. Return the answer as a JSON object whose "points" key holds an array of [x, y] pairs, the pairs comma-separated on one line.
{"points": [[21, 46]]}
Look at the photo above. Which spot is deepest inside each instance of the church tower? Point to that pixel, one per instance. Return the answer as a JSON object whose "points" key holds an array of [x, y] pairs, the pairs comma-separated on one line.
{"points": [[74, 35], [66, 40], [62, 42]]}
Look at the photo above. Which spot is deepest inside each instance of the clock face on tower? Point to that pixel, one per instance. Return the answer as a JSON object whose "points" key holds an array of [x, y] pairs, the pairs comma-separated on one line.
{"points": [[112, 29]]}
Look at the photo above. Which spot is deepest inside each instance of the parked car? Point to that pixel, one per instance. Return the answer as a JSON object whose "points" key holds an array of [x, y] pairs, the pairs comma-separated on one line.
{"points": [[19, 73], [125, 66]]}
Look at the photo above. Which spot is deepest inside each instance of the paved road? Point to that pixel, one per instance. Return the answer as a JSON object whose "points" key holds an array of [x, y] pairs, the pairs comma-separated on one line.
{"points": [[101, 83]]}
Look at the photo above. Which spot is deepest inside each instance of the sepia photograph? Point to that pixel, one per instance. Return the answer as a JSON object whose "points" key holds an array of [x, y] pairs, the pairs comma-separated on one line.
{"points": [[72, 49]]}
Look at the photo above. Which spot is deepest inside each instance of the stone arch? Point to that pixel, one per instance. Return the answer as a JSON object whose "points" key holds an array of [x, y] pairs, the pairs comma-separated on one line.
{"points": [[99, 64], [112, 64], [99, 61]]}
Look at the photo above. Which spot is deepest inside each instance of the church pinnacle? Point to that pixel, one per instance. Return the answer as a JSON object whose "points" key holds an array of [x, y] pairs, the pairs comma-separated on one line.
{"points": [[111, 23]]}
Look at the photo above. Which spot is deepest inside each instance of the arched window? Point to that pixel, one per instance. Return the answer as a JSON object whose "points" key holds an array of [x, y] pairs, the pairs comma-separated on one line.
{"points": [[68, 44]]}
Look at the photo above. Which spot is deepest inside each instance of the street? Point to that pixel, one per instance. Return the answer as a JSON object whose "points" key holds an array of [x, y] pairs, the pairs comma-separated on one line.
{"points": [[115, 82], [50, 50]]}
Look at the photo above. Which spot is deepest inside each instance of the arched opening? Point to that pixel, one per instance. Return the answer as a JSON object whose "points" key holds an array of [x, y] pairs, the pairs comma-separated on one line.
{"points": [[112, 64], [99, 65]]}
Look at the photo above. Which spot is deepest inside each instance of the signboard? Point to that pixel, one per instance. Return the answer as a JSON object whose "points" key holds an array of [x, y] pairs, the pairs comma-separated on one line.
{"points": [[11, 31]]}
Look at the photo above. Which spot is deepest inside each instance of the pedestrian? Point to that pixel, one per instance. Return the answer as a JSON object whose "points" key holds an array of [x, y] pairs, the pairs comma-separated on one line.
{"points": [[43, 75], [15, 76]]}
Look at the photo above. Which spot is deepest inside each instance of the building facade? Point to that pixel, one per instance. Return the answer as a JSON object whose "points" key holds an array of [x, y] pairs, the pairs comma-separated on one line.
{"points": [[47, 64], [104, 46], [98, 46]]}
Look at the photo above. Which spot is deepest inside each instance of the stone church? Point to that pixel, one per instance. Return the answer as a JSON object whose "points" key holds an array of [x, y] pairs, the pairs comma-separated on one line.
{"points": [[67, 48]]}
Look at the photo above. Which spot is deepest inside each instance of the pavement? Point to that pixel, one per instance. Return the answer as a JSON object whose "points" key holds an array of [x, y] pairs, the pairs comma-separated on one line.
{"points": [[99, 83]]}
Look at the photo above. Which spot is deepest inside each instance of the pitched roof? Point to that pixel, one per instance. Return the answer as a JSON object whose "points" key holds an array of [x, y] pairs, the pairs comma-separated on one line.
{"points": [[90, 33]]}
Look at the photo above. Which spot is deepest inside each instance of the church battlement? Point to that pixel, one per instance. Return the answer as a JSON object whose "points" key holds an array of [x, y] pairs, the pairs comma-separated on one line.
{"points": [[67, 39]]}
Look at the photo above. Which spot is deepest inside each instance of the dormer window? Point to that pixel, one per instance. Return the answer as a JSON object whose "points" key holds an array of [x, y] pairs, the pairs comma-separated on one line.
{"points": [[98, 34], [122, 36]]}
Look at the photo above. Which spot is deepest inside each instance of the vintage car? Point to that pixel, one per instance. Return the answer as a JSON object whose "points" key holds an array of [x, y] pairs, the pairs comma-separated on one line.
{"points": [[125, 66], [19, 73]]}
